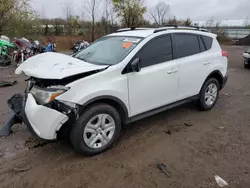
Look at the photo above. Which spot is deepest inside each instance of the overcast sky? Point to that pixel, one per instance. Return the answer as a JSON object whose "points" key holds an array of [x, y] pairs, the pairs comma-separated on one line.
{"points": [[195, 9]]}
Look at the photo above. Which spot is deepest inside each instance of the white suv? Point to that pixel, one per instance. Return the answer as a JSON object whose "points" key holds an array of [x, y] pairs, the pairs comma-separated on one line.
{"points": [[120, 78]]}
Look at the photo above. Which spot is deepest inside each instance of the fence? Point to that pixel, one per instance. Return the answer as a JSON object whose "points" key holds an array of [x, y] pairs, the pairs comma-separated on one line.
{"points": [[232, 33]]}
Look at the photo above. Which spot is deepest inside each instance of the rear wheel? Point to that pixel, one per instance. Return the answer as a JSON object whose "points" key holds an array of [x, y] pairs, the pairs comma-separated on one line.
{"points": [[209, 94], [97, 129]]}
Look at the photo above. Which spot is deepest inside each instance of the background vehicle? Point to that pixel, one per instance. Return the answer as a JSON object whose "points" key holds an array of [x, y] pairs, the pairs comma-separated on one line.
{"points": [[23, 51], [5, 47], [37, 48], [246, 58], [5, 44], [121, 78], [79, 45]]}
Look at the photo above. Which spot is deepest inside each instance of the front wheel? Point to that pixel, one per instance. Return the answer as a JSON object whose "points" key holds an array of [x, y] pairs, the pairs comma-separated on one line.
{"points": [[97, 129], [209, 94]]}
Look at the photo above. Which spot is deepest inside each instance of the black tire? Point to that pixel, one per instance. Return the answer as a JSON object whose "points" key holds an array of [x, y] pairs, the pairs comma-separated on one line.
{"points": [[201, 101], [246, 64], [77, 131]]}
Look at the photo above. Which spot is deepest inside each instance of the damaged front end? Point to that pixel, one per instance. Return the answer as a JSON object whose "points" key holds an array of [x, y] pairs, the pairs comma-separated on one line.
{"points": [[39, 109], [50, 75]]}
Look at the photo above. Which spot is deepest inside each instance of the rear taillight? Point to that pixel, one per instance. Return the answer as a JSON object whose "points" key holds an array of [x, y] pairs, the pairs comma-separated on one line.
{"points": [[224, 54]]}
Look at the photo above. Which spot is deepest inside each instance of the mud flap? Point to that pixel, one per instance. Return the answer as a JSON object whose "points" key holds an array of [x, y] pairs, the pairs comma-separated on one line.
{"points": [[14, 114], [16, 103]]}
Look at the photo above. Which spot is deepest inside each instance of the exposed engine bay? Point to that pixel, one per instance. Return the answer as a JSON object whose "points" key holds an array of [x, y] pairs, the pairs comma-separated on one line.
{"points": [[44, 83]]}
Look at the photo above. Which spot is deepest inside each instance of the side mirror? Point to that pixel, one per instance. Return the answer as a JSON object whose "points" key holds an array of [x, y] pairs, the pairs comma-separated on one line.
{"points": [[135, 65]]}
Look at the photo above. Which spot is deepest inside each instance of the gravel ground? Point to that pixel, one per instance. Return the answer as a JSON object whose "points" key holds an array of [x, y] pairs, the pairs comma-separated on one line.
{"points": [[193, 145]]}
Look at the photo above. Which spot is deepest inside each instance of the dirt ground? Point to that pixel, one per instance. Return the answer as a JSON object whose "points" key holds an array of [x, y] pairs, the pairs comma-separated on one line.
{"points": [[193, 145]]}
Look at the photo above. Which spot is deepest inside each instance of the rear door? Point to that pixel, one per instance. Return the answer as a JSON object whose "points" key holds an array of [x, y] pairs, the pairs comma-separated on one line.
{"points": [[194, 63]]}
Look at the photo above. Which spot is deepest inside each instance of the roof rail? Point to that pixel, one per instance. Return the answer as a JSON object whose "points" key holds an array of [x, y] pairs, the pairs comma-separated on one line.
{"points": [[169, 27], [132, 28]]}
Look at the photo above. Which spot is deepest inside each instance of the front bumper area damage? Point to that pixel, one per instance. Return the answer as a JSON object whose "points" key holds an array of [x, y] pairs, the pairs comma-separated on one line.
{"points": [[42, 120]]}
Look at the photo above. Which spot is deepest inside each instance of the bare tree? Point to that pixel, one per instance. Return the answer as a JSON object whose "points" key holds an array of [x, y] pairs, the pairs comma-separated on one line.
{"points": [[159, 13], [210, 23], [112, 14], [91, 8], [246, 22], [67, 11], [108, 14]]}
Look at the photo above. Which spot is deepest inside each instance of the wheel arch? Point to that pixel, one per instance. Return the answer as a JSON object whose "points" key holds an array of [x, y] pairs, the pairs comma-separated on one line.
{"points": [[217, 75], [115, 102]]}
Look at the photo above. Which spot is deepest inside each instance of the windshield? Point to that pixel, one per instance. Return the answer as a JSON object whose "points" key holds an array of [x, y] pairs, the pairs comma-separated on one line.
{"points": [[108, 50]]}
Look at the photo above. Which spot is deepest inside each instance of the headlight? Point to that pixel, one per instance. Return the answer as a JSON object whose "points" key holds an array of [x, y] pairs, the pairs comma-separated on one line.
{"points": [[44, 96], [28, 50]]}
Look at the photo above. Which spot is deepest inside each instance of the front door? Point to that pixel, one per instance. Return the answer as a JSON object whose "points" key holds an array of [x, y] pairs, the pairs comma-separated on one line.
{"points": [[156, 84]]}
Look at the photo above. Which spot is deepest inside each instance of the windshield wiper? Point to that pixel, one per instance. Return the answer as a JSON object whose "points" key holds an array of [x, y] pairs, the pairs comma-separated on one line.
{"points": [[84, 58], [81, 59]]}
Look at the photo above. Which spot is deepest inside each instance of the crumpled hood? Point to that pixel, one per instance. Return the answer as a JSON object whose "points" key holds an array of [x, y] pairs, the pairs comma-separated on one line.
{"points": [[55, 66]]}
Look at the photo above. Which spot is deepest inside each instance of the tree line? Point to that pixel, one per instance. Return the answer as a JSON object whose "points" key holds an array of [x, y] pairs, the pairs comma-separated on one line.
{"points": [[97, 17]]}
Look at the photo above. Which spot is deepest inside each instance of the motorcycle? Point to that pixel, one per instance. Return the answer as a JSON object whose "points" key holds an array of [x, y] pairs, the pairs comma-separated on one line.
{"points": [[79, 45], [24, 50], [5, 47], [37, 48]]}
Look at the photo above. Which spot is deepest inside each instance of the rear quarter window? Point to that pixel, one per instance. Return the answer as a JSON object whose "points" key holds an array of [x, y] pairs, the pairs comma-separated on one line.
{"points": [[202, 46], [208, 41]]}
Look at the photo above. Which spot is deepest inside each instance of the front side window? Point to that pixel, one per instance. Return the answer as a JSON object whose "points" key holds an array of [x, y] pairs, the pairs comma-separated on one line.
{"points": [[108, 50], [187, 45], [157, 51]]}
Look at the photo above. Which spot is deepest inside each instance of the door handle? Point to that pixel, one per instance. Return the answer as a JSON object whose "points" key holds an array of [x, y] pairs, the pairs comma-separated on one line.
{"points": [[172, 71], [207, 63]]}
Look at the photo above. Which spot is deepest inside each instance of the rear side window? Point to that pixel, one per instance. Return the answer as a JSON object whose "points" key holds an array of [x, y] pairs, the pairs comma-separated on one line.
{"points": [[208, 41], [202, 47], [187, 45], [157, 51]]}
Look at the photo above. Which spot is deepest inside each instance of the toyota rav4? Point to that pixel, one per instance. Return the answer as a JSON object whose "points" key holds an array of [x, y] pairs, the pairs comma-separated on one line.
{"points": [[119, 79]]}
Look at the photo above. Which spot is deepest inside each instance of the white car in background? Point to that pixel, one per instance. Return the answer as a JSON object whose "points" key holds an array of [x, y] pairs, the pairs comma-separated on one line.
{"points": [[120, 78]]}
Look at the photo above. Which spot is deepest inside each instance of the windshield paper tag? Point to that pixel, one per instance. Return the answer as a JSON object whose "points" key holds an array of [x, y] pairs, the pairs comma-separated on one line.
{"points": [[127, 45], [133, 40]]}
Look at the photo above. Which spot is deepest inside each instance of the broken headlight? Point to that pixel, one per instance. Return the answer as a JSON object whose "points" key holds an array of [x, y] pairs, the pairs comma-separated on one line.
{"points": [[46, 95]]}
